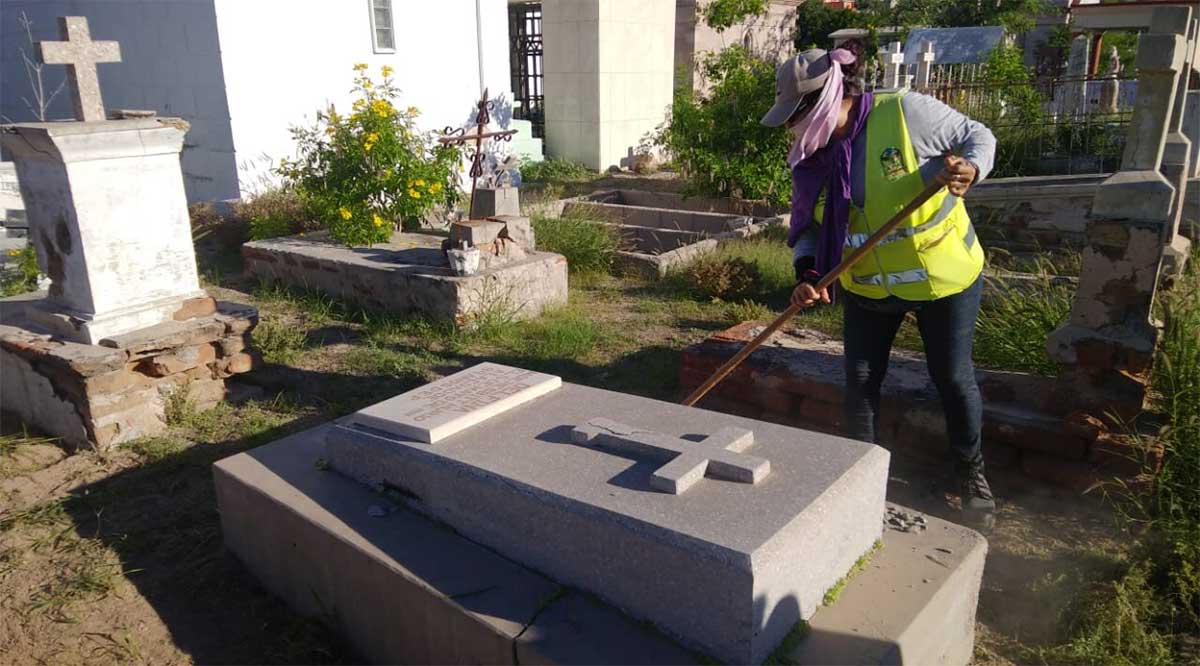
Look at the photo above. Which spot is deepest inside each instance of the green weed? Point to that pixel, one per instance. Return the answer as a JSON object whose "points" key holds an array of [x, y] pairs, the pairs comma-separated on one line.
{"points": [[554, 169], [278, 342], [23, 276], [835, 591], [1014, 322], [41, 515], [154, 449], [747, 310], [561, 334], [588, 245], [373, 359]]}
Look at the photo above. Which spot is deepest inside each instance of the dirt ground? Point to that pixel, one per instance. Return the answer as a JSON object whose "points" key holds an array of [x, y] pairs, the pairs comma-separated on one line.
{"points": [[116, 557]]}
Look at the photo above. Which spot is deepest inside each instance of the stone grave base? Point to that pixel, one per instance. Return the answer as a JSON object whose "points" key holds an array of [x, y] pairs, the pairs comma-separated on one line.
{"points": [[662, 232], [403, 589], [103, 395], [798, 378], [410, 275]]}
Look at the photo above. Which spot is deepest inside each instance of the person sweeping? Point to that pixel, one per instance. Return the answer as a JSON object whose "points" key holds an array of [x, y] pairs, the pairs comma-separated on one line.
{"points": [[857, 159]]}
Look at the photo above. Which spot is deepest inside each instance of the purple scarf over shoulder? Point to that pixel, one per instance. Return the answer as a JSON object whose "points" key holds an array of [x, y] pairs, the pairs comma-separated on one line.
{"points": [[830, 167]]}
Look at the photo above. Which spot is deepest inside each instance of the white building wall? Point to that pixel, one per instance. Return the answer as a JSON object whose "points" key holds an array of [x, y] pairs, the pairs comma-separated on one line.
{"points": [[170, 63], [609, 72], [285, 59]]}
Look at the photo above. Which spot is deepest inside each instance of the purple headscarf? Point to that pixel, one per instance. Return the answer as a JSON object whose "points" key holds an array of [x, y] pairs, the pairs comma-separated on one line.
{"points": [[828, 168]]}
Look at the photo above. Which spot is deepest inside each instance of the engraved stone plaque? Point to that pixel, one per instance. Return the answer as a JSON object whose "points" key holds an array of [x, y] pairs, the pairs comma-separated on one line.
{"points": [[452, 404]]}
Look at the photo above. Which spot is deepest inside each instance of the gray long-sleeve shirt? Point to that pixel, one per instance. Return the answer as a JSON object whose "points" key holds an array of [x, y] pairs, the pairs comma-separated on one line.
{"points": [[934, 129]]}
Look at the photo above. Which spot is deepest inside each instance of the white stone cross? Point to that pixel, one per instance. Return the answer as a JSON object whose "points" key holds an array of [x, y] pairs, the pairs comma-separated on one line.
{"points": [[893, 61], [719, 455], [925, 64], [80, 54]]}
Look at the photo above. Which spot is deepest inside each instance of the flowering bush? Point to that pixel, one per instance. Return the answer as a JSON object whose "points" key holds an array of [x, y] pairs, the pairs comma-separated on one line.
{"points": [[366, 173]]}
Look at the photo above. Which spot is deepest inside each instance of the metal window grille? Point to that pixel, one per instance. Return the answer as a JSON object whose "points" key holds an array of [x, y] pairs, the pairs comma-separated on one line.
{"points": [[383, 34], [525, 46]]}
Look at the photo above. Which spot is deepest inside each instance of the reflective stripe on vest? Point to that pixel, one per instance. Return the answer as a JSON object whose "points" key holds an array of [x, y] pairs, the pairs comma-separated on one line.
{"points": [[856, 240], [911, 276]]}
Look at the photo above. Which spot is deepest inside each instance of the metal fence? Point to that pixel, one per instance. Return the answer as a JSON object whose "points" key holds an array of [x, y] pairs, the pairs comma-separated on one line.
{"points": [[1077, 129]]}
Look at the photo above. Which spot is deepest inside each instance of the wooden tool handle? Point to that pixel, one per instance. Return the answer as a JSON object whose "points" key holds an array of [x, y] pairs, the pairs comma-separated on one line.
{"points": [[825, 282]]}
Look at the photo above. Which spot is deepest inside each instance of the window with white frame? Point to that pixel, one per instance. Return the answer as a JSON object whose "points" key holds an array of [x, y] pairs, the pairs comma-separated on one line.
{"points": [[383, 32]]}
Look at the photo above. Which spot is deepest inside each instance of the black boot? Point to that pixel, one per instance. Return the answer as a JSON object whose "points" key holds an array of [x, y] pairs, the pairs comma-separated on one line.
{"points": [[978, 504]]}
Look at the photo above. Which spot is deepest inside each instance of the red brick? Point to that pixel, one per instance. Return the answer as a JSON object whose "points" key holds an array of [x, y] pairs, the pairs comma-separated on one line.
{"points": [[240, 363], [196, 307]]}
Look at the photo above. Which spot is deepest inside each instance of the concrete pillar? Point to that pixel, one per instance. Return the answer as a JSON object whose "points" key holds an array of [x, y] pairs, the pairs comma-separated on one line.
{"points": [[1106, 348], [608, 76], [1177, 147]]}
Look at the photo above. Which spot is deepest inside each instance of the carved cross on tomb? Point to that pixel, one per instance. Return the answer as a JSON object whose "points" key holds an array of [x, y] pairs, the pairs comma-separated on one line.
{"points": [[80, 54], [460, 136], [718, 456]]}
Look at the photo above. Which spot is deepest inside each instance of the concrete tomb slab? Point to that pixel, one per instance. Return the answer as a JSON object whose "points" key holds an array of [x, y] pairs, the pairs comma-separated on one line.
{"points": [[727, 568], [719, 455], [401, 588], [442, 408]]}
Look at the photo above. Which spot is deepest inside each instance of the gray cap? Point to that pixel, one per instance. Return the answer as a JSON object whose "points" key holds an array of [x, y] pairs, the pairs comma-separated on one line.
{"points": [[795, 78]]}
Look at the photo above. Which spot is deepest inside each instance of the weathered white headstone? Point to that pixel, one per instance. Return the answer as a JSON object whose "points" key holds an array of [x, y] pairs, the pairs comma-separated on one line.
{"points": [[925, 65], [447, 406], [719, 455]]}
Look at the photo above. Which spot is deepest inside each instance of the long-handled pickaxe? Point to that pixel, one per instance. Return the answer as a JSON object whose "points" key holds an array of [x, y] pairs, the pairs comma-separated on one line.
{"points": [[825, 282]]}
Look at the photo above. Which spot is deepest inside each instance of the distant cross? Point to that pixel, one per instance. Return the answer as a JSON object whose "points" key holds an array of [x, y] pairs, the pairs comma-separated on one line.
{"points": [[893, 61], [460, 136], [925, 65], [80, 54], [718, 456]]}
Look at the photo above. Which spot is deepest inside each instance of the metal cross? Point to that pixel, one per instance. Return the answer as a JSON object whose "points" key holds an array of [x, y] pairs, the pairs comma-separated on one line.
{"points": [[80, 54], [718, 456], [460, 136]]}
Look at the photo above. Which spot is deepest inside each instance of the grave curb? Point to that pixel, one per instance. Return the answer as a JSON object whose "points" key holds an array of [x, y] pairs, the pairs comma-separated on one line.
{"points": [[401, 588]]}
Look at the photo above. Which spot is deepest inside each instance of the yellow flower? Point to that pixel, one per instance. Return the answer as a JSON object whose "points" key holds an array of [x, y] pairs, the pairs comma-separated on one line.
{"points": [[334, 118], [414, 194], [359, 104], [420, 182], [366, 83], [377, 220], [387, 70], [382, 107], [331, 131], [413, 111], [360, 67], [435, 188], [345, 213]]}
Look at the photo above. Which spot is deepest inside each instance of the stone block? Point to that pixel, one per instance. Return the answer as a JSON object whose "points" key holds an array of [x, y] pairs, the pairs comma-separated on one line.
{"points": [[475, 233], [196, 307], [519, 229], [398, 587], [410, 275], [402, 589], [716, 568], [239, 363], [914, 603], [178, 360], [490, 202], [169, 335]]}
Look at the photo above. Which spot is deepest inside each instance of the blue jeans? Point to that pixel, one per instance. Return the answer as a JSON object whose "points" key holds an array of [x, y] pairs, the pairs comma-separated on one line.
{"points": [[947, 327]]}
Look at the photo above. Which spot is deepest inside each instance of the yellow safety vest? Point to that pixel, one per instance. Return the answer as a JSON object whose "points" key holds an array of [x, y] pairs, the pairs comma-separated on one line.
{"points": [[933, 253]]}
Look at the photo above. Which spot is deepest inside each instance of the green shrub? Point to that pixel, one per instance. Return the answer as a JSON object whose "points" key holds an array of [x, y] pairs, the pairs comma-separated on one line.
{"points": [[274, 212], [717, 141], [589, 246], [23, 276], [362, 174], [747, 310], [554, 169], [278, 342], [724, 278]]}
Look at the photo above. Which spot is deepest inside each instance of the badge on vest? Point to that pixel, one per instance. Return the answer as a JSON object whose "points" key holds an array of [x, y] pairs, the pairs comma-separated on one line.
{"points": [[892, 163]]}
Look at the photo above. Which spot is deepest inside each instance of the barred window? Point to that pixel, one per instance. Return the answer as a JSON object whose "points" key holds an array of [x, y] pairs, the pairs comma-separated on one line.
{"points": [[383, 33]]}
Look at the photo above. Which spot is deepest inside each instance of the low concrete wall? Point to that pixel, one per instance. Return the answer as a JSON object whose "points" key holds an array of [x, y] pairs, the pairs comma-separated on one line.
{"points": [[798, 378], [1048, 212]]}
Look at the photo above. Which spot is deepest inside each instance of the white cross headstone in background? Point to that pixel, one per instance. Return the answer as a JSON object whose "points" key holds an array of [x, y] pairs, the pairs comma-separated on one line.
{"points": [[925, 65], [893, 66], [719, 455], [80, 54]]}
